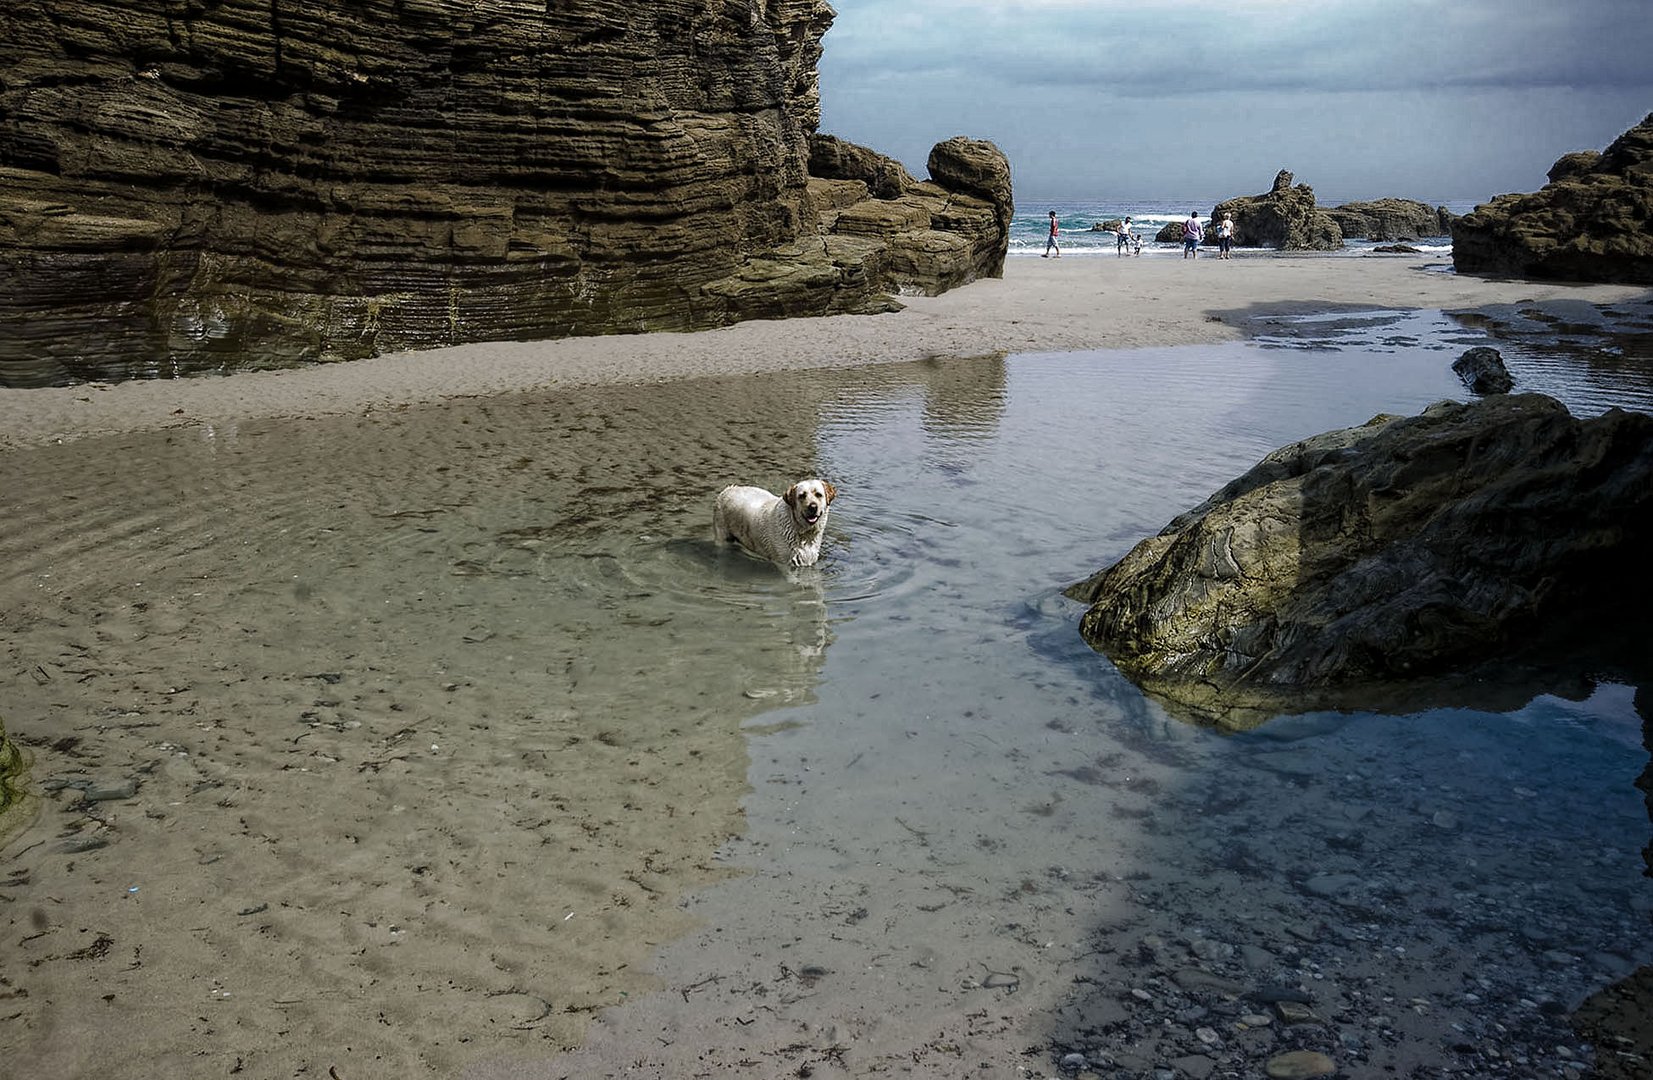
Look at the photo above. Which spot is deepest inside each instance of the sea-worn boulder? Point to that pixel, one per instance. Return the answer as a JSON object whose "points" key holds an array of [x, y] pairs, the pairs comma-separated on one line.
{"points": [[193, 187], [1391, 219], [1284, 217], [1169, 233], [1358, 567], [1592, 222], [1483, 372]]}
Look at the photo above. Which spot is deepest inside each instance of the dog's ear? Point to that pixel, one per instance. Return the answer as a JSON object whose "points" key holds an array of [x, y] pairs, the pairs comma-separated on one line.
{"points": [[832, 492], [790, 495]]}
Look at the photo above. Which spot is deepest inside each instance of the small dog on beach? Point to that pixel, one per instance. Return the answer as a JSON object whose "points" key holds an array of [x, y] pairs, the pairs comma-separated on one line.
{"points": [[786, 529]]}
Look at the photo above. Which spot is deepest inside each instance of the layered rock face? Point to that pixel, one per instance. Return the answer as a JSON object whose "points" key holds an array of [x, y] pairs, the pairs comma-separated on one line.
{"points": [[1345, 570], [1284, 217], [1593, 221], [186, 187]]}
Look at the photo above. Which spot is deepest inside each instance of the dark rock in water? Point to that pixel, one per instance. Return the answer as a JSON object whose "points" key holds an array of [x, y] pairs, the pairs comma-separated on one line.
{"points": [[1169, 234], [1592, 222], [1619, 1021], [1391, 219], [244, 184], [1483, 372], [1396, 249], [1467, 552], [1285, 217]]}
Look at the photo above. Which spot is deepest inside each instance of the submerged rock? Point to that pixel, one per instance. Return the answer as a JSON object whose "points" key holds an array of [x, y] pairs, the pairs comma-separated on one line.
{"points": [[1483, 372], [241, 184], [1592, 222], [1370, 567]]}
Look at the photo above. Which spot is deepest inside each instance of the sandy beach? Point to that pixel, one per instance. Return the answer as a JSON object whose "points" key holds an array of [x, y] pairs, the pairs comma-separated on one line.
{"points": [[1038, 306], [375, 740]]}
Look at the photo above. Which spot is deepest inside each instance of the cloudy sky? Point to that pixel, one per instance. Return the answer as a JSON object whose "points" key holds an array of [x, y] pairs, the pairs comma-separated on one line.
{"points": [[1428, 99]]}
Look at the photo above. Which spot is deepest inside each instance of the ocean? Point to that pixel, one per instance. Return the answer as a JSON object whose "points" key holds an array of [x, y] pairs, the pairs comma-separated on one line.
{"points": [[1031, 222]]}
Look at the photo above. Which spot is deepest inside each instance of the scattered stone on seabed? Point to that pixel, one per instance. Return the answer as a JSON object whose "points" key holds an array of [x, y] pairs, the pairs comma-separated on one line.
{"points": [[1300, 1065], [77, 844], [1330, 886], [121, 789], [1295, 1012]]}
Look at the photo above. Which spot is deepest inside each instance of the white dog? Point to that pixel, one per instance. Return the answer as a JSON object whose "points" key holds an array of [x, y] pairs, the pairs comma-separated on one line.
{"points": [[785, 529]]}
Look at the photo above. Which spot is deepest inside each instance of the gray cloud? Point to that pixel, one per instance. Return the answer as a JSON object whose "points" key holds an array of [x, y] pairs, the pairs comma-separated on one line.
{"points": [[1424, 84]]}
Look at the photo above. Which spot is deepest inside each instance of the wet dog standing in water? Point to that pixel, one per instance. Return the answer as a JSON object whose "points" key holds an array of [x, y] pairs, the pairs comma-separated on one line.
{"points": [[786, 529]]}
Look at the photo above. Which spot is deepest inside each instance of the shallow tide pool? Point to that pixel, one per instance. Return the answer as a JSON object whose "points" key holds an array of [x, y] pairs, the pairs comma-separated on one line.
{"points": [[448, 729]]}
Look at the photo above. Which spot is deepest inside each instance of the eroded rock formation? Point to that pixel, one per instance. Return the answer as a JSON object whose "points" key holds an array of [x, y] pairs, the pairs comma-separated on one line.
{"points": [[1593, 221], [187, 187], [1284, 217], [1349, 569], [1391, 219]]}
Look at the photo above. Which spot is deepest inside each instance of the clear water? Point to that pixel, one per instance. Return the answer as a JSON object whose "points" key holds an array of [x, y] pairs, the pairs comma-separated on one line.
{"points": [[955, 808]]}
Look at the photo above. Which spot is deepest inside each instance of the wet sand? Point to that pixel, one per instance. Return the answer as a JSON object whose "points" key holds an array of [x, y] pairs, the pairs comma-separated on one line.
{"points": [[1038, 306]]}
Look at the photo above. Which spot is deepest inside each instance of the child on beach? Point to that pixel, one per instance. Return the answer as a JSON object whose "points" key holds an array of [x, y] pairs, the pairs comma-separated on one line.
{"points": [[1051, 244]]}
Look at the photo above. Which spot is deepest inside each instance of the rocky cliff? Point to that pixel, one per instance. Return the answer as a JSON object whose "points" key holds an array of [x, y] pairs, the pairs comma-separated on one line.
{"points": [[1593, 221], [188, 186]]}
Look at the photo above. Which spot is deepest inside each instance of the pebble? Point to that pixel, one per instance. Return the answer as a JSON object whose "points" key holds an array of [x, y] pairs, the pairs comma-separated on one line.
{"points": [[121, 789], [1444, 819], [1073, 1062], [76, 844], [1330, 885], [1207, 1036], [1299, 1065]]}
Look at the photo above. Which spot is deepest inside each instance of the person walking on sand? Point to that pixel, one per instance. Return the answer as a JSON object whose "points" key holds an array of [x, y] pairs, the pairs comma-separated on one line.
{"points": [[1122, 238], [1192, 234], [1225, 236], [1051, 244]]}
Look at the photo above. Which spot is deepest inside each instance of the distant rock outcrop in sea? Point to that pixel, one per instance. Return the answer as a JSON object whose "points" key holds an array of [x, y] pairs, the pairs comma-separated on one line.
{"points": [[1391, 219], [1593, 221], [190, 188], [1499, 544], [1285, 217]]}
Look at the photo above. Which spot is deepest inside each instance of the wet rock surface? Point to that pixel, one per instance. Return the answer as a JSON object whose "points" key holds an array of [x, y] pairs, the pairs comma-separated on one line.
{"points": [[1593, 221], [1354, 566], [240, 185], [1483, 372]]}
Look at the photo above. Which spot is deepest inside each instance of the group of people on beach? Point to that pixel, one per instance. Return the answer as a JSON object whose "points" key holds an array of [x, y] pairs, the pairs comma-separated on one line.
{"points": [[1127, 242], [1193, 233]]}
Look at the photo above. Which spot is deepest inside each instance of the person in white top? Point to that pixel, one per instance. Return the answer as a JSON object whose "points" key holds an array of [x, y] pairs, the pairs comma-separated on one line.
{"points": [[1225, 236]]}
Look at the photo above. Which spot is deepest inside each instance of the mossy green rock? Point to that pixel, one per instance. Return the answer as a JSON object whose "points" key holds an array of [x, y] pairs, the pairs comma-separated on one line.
{"points": [[1593, 221], [1357, 568], [197, 187]]}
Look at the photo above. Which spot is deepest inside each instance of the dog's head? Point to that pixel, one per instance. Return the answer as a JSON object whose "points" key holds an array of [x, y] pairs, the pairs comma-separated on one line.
{"points": [[808, 500]]}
